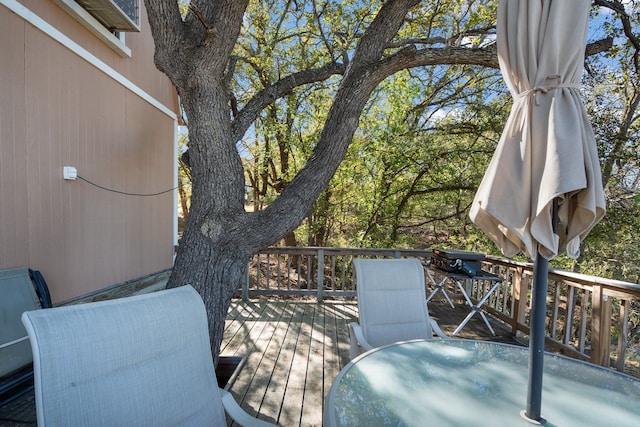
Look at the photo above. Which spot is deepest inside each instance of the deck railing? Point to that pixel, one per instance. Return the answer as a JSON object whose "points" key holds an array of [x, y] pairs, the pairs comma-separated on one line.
{"points": [[587, 316]]}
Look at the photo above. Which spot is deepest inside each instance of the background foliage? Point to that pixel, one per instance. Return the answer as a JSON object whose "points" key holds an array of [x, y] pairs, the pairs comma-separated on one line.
{"points": [[427, 134]]}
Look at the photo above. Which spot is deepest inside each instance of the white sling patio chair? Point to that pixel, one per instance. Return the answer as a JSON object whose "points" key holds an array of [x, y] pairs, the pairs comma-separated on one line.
{"points": [[136, 361], [392, 304]]}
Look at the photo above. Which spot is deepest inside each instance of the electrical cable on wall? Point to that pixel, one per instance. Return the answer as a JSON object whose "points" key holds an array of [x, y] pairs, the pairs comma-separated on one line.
{"points": [[124, 192]]}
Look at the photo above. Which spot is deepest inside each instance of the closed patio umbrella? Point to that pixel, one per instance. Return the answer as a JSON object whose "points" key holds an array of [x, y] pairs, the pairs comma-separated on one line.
{"points": [[542, 192]]}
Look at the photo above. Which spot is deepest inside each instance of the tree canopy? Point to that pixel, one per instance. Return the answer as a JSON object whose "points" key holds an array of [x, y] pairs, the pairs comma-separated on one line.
{"points": [[369, 123]]}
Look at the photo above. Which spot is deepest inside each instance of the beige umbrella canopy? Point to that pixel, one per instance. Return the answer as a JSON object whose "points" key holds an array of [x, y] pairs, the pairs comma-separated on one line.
{"points": [[547, 149], [542, 192]]}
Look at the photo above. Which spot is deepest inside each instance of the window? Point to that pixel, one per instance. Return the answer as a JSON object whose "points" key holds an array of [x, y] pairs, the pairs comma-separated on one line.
{"points": [[115, 15], [112, 19]]}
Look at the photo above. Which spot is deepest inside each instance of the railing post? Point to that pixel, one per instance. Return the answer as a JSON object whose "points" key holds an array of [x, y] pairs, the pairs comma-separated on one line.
{"points": [[320, 274], [519, 299], [601, 324]]}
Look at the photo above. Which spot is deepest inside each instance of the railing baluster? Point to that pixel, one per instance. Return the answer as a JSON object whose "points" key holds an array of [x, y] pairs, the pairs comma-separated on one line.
{"points": [[333, 273], [584, 315], [568, 321], [554, 315], [288, 272], [258, 271], [245, 284], [622, 337], [320, 278], [278, 275]]}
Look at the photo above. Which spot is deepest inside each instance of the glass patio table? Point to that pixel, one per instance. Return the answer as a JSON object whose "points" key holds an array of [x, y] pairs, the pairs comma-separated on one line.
{"points": [[475, 383]]}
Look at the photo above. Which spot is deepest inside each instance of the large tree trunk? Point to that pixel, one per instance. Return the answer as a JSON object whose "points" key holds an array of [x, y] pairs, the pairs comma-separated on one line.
{"points": [[214, 249], [215, 272]]}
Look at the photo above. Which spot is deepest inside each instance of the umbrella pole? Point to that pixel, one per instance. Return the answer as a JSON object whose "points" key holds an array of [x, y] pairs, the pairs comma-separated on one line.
{"points": [[537, 335], [536, 339]]}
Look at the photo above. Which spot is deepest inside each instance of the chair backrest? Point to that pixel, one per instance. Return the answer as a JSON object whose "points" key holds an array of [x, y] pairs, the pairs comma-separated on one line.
{"points": [[137, 361], [17, 295], [392, 301]]}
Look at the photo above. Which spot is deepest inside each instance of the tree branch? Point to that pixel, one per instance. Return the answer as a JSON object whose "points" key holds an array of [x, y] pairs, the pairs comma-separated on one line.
{"points": [[342, 121], [598, 46], [167, 30], [197, 40], [409, 57], [454, 40], [279, 89], [625, 19], [198, 14]]}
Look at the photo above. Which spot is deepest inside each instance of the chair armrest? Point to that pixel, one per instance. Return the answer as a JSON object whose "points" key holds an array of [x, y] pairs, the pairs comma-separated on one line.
{"points": [[359, 343], [238, 414], [437, 330]]}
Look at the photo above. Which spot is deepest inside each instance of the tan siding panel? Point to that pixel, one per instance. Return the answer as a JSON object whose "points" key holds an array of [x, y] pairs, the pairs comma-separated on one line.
{"points": [[14, 231], [149, 213], [139, 68], [58, 110]]}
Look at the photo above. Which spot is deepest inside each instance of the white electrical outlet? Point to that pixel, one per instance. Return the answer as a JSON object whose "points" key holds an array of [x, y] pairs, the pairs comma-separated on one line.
{"points": [[69, 172]]}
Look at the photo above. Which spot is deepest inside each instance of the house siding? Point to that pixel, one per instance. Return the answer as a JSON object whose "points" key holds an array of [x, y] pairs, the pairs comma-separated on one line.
{"points": [[117, 127]]}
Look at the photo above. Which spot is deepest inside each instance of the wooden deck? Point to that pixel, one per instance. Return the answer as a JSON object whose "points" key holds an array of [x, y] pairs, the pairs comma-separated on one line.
{"points": [[294, 348]]}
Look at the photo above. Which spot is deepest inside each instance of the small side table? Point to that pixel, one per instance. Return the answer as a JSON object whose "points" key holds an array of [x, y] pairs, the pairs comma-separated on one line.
{"points": [[458, 279]]}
